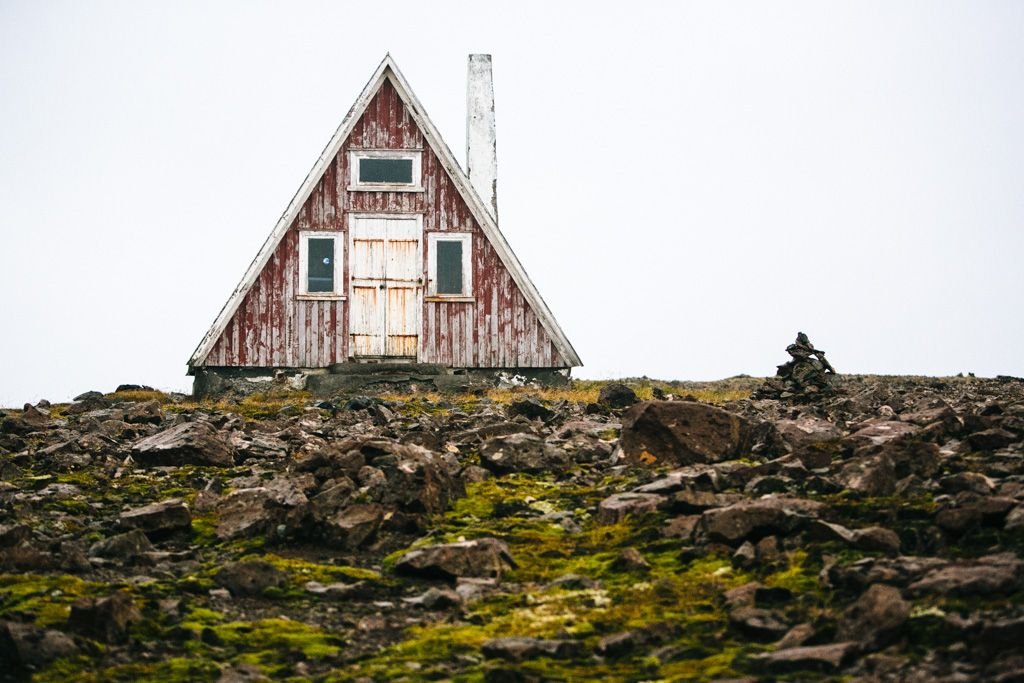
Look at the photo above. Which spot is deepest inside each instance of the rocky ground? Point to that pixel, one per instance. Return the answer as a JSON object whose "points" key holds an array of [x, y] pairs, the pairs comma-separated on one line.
{"points": [[518, 535]]}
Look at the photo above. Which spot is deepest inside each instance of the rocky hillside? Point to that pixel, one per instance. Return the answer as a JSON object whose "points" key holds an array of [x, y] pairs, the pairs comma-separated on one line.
{"points": [[519, 535]]}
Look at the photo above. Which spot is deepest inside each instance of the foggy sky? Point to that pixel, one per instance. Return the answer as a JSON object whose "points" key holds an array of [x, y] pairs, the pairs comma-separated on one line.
{"points": [[688, 184]]}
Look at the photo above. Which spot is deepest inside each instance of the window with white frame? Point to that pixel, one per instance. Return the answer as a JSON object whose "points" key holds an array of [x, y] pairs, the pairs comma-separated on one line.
{"points": [[450, 260], [389, 170], [320, 259]]}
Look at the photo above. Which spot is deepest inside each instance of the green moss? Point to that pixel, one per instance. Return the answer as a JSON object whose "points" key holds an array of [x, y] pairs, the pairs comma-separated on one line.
{"points": [[199, 618], [300, 571], [174, 670], [800, 576], [71, 506], [47, 598], [269, 641], [685, 594], [204, 530]]}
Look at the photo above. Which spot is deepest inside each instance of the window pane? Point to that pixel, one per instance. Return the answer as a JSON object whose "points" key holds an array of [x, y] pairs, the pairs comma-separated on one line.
{"points": [[449, 267], [320, 268], [385, 170]]}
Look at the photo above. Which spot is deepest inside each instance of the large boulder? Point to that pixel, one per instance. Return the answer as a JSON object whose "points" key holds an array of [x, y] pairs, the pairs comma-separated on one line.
{"points": [[683, 433], [616, 395], [522, 453], [353, 526], [876, 618], [482, 557], [619, 506], [808, 431], [24, 646], [877, 432], [156, 518], [189, 443], [280, 505], [984, 576], [755, 519], [871, 475], [106, 619], [416, 480]]}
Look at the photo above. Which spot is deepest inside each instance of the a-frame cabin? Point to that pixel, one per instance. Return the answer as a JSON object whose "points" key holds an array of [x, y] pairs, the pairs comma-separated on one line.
{"points": [[388, 252]]}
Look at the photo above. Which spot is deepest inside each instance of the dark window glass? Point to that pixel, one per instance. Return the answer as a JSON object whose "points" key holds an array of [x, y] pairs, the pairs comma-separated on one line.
{"points": [[374, 170], [320, 269], [449, 267]]}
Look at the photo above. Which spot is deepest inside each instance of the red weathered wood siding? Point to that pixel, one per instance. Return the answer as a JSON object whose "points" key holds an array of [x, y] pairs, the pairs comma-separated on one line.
{"points": [[273, 328]]}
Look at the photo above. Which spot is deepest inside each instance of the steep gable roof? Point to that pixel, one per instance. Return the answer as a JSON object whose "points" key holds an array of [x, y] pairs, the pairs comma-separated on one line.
{"points": [[388, 71]]}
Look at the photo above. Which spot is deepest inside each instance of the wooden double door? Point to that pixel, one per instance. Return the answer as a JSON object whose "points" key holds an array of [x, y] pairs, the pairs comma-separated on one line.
{"points": [[386, 274]]}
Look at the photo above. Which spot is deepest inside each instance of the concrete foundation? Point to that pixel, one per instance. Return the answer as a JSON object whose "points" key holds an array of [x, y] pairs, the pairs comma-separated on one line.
{"points": [[368, 378]]}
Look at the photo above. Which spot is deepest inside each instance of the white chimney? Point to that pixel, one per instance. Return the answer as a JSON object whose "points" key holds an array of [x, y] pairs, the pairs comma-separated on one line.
{"points": [[481, 141]]}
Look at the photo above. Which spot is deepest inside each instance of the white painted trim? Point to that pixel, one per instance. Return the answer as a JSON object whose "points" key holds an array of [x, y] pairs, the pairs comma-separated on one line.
{"points": [[387, 69], [467, 263], [339, 260], [389, 215], [449, 299], [356, 185]]}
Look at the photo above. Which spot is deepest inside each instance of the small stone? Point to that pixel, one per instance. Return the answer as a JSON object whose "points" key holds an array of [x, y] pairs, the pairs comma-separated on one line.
{"points": [[435, 599], [85, 396], [876, 538], [745, 556], [250, 577], [758, 624], [796, 636], [630, 560], [148, 412], [1015, 519], [693, 501], [482, 557], [125, 546], [14, 534], [105, 619], [335, 591], [530, 408], [742, 596], [821, 658], [681, 527], [619, 644], [523, 649], [768, 550], [619, 506]]}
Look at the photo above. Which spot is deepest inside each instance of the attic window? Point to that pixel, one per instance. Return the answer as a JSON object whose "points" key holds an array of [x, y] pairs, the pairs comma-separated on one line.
{"points": [[450, 263], [385, 171], [320, 259]]}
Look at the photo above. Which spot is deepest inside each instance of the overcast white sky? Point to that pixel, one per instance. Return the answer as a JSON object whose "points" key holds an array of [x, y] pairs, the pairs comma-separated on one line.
{"points": [[688, 184]]}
